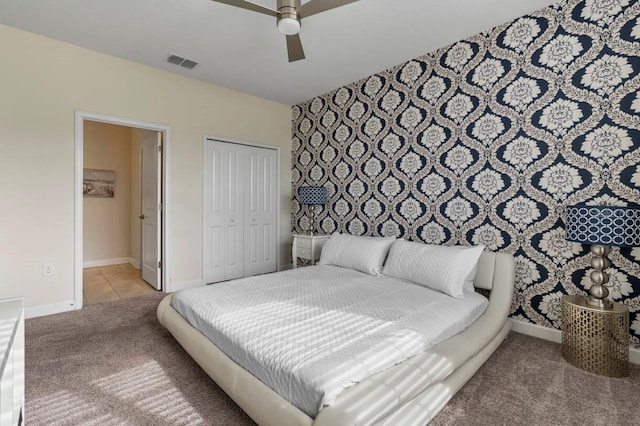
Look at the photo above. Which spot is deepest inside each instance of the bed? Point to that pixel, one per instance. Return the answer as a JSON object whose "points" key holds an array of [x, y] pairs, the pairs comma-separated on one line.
{"points": [[409, 391]]}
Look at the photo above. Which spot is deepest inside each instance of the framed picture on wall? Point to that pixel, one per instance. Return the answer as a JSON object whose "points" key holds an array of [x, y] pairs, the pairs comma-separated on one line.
{"points": [[98, 183]]}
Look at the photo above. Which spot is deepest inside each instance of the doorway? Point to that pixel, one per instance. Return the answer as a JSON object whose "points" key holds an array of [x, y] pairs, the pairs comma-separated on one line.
{"points": [[119, 268]]}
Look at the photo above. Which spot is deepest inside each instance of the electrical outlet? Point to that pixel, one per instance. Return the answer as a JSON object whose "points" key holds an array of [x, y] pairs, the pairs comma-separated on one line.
{"points": [[48, 269]]}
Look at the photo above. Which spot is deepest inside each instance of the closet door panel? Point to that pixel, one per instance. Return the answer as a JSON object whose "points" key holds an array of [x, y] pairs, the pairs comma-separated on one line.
{"points": [[260, 213], [215, 214], [223, 247], [235, 208], [268, 211], [268, 251], [251, 246], [240, 211], [215, 259]]}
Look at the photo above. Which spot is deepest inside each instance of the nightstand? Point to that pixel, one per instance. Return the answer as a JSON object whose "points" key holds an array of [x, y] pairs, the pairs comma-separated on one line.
{"points": [[594, 339], [307, 246]]}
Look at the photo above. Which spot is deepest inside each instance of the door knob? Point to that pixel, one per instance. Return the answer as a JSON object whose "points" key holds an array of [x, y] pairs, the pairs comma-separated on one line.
{"points": [[141, 216]]}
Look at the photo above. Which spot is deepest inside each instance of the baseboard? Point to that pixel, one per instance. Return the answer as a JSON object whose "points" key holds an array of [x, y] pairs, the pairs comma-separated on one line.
{"points": [[173, 287], [56, 308], [286, 266], [134, 262], [106, 262], [538, 331], [554, 335]]}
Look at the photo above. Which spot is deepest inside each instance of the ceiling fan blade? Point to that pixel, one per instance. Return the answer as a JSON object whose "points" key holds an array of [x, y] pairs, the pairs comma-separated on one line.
{"points": [[316, 6], [294, 48], [249, 6]]}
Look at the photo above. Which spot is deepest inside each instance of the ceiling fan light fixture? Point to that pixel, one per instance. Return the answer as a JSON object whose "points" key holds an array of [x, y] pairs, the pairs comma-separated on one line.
{"points": [[288, 25], [289, 14]]}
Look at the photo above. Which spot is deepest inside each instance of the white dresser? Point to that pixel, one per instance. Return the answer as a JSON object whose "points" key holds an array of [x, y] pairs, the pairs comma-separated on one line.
{"points": [[12, 367], [307, 247]]}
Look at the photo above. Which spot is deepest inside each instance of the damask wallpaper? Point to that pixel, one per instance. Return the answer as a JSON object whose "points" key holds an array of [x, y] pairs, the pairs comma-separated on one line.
{"points": [[486, 142]]}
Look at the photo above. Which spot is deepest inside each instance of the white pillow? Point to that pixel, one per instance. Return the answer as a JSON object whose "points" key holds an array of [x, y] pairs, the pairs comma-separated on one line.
{"points": [[468, 281], [468, 286], [440, 268], [365, 254]]}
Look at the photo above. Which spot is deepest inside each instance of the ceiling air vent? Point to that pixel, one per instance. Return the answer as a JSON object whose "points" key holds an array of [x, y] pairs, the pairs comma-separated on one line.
{"points": [[178, 60], [188, 64]]}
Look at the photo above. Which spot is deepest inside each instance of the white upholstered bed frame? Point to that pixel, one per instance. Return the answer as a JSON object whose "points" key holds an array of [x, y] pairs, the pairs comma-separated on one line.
{"points": [[409, 393]]}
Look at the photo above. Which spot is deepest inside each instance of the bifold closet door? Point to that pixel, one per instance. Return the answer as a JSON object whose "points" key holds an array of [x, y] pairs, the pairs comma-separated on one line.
{"points": [[240, 190], [260, 212], [224, 221]]}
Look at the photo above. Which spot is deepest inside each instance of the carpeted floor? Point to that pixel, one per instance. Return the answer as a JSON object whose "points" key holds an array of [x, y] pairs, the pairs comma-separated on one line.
{"points": [[114, 364], [526, 382]]}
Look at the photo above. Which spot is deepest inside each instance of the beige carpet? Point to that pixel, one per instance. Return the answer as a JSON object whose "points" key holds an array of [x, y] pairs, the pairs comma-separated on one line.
{"points": [[113, 364], [526, 382]]}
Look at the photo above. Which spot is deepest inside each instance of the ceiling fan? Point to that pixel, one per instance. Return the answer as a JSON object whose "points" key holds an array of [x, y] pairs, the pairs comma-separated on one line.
{"points": [[289, 15]]}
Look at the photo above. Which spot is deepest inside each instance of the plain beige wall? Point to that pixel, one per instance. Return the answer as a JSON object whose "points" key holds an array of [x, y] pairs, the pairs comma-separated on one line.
{"points": [[106, 221], [42, 83]]}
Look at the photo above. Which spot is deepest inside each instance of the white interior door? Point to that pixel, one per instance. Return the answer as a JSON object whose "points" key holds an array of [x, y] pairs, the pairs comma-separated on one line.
{"points": [[260, 212], [214, 214], [224, 211], [151, 211]]}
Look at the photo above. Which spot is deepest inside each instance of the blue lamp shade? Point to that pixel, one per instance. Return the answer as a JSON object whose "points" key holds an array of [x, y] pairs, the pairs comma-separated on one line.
{"points": [[604, 225], [313, 195]]}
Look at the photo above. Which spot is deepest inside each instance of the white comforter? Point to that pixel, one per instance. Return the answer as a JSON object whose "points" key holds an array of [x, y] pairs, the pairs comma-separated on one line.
{"points": [[311, 332]]}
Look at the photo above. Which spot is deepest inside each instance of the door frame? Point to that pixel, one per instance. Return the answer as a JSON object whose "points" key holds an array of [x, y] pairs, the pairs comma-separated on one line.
{"points": [[276, 148], [80, 117]]}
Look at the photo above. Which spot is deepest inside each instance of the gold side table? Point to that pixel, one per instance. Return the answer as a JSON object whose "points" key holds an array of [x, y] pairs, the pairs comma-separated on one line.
{"points": [[593, 339]]}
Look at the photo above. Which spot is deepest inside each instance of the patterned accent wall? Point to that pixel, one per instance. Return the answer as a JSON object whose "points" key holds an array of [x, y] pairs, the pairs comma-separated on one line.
{"points": [[486, 142]]}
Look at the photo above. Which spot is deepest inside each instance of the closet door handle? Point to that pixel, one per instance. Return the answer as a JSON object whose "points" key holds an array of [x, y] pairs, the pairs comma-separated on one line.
{"points": [[141, 217]]}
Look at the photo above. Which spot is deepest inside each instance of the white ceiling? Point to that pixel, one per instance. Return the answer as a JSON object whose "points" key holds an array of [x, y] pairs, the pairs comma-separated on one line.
{"points": [[243, 50]]}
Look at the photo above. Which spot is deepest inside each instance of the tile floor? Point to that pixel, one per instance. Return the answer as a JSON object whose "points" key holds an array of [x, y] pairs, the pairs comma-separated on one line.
{"points": [[112, 283]]}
